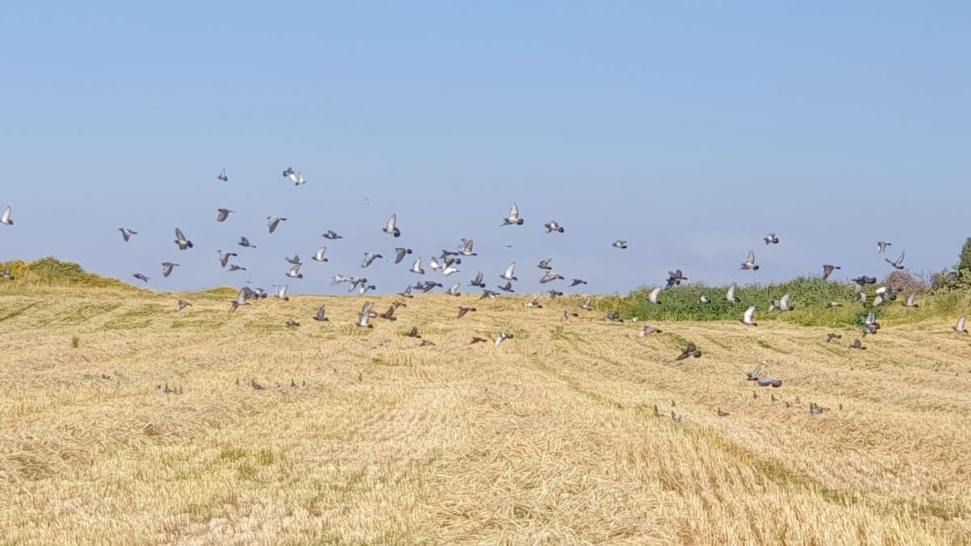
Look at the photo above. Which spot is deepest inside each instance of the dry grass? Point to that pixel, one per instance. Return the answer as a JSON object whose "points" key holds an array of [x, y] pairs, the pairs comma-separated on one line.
{"points": [[548, 439]]}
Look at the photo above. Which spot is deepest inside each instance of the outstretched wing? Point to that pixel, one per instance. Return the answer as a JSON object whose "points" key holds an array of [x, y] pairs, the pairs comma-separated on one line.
{"points": [[391, 222], [510, 270], [749, 314], [751, 257], [178, 234], [514, 211]]}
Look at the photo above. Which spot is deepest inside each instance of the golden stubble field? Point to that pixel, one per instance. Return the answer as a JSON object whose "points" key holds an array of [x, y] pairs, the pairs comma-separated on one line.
{"points": [[549, 439]]}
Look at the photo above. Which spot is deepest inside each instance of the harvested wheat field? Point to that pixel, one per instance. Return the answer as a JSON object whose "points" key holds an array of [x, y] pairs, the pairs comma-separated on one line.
{"points": [[360, 436]]}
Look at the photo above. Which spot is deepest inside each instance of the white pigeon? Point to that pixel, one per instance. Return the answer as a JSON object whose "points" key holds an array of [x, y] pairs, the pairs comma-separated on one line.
{"points": [[454, 290], [282, 293], [749, 316], [502, 337], [730, 294], [297, 178], [449, 269], [390, 228], [960, 327], [749, 264], [510, 273], [652, 297], [294, 272], [365, 316], [319, 255], [416, 267], [513, 218]]}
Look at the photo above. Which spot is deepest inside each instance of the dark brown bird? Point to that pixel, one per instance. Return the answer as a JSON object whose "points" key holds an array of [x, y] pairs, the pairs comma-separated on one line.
{"points": [[477, 339], [691, 350], [465, 309], [413, 333]]}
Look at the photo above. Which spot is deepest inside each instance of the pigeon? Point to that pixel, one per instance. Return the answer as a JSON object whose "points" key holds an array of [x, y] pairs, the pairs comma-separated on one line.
{"points": [[244, 242], [877, 301], [857, 345], [389, 314], [259, 293], [319, 255], [449, 269], [430, 285], [477, 339], [292, 323], [882, 246], [749, 264], [282, 293], [860, 296], [657, 413], [320, 315], [502, 337], [467, 248], [545, 264], [224, 257], [127, 233], [400, 253], [294, 272], [364, 289], [369, 257], [619, 243], [781, 304], [181, 305], [951, 277], [730, 294], [510, 273], [577, 282], [831, 337], [652, 296], [433, 263], [553, 226], [749, 316], [426, 343], [390, 228], [167, 268], [676, 417], [703, 299], [567, 314], [6, 274], [768, 381], [507, 287], [828, 270], [234, 267], [675, 277], [754, 374], [899, 264], [771, 239], [465, 309], [332, 235], [553, 294], [365, 316], [690, 350], [815, 409], [222, 214], [296, 178], [550, 277], [488, 294], [534, 303], [5, 219], [454, 290], [960, 326], [273, 221], [614, 316], [861, 282], [295, 260], [648, 330], [513, 218], [413, 333], [834, 304], [586, 304], [406, 293], [287, 172], [181, 240], [416, 268], [910, 302], [723, 413], [222, 176], [141, 277]]}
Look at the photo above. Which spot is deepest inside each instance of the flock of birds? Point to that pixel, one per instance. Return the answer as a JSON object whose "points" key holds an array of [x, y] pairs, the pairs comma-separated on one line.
{"points": [[446, 264]]}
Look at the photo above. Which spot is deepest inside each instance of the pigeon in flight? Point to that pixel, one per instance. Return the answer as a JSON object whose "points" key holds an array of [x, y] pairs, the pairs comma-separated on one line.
{"points": [[477, 281], [749, 316], [365, 316], [750, 262], [332, 235], [127, 233], [911, 301], [619, 243], [282, 293], [960, 326], [510, 273], [449, 269], [294, 272], [244, 242], [287, 172], [141, 277], [899, 264], [6, 274], [364, 289], [550, 277], [390, 228], [507, 287], [273, 221], [771, 239], [857, 345], [828, 270], [406, 293], [296, 178], [545, 264], [234, 267], [222, 176], [882, 246], [181, 305], [703, 299], [553, 226], [181, 240], [224, 257], [416, 268], [586, 305], [400, 253], [781, 304], [389, 314], [768, 381], [652, 296], [502, 337], [513, 218], [577, 282], [222, 214], [648, 330], [567, 314], [467, 248], [454, 290], [295, 260], [465, 309], [831, 337], [675, 278], [319, 255], [433, 263], [5, 219], [534, 303], [553, 294], [730, 294], [488, 294], [690, 350], [167, 268], [369, 257], [816, 409], [413, 333]]}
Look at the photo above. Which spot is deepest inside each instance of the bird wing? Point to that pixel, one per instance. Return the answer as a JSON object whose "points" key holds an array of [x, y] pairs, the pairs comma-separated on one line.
{"points": [[6, 215], [295, 270], [510, 270], [749, 314], [467, 246], [751, 257], [654, 294], [365, 315], [961, 322], [514, 211], [178, 234], [391, 222], [730, 295], [785, 301], [900, 260]]}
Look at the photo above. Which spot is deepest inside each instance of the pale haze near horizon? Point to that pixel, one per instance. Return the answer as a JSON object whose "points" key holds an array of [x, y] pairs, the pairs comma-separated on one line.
{"points": [[690, 131]]}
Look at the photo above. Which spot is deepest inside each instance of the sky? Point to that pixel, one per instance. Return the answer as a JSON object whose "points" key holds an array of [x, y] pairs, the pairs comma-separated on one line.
{"points": [[689, 129]]}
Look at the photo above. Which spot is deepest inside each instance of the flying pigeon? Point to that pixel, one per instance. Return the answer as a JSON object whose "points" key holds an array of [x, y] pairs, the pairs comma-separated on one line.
{"points": [[319, 255], [652, 296], [960, 326], [390, 228], [750, 262], [6, 274], [234, 267], [502, 337], [730, 294], [181, 305], [127, 233], [294, 272], [510, 273], [882, 246], [550, 277], [577, 282], [332, 235], [534, 303], [899, 264], [400, 253], [222, 176], [488, 294], [553, 294], [780, 304], [553, 226], [222, 214], [828, 270], [911, 301], [648, 330], [465, 309], [771, 239], [675, 277], [282, 293], [749, 316], [224, 257], [507, 287], [416, 268], [389, 314], [273, 221], [181, 240], [723, 413], [467, 248], [690, 350], [243, 241], [449, 269], [413, 333], [167, 268], [619, 243], [567, 314], [545, 264], [857, 345], [513, 217], [477, 339], [454, 290], [586, 304], [831, 337], [365, 287], [369, 257], [406, 293], [141, 277], [295, 260], [287, 172], [296, 178], [365, 316], [433, 263], [292, 323]]}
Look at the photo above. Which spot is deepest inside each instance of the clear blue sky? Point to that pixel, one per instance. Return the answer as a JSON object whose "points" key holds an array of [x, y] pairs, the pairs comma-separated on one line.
{"points": [[688, 129]]}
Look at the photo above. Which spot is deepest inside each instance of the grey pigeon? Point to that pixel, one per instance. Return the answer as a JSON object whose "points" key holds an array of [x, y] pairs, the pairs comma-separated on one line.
{"points": [[273, 221], [550, 277], [730, 294], [577, 282], [465, 309], [365, 316], [882, 246], [127, 233], [244, 242], [234, 267], [619, 243], [857, 345], [690, 350], [224, 257], [6, 274], [477, 281], [828, 270], [390, 228], [222, 176], [899, 264], [467, 248], [675, 278], [831, 337], [771, 238], [141, 277], [545, 264], [181, 240], [513, 218], [749, 264], [911, 301], [553, 226], [167, 268], [332, 235], [507, 287], [400, 253], [369, 257], [222, 214], [181, 305]]}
